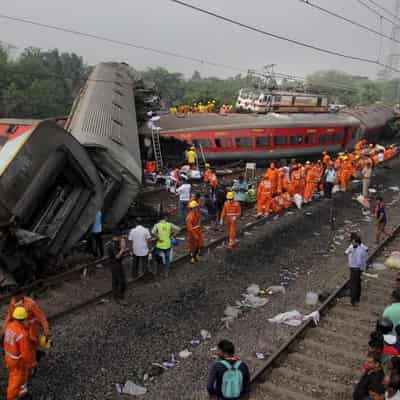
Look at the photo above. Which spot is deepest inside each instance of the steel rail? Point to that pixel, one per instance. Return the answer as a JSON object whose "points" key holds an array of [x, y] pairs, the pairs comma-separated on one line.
{"points": [[323, 309]]}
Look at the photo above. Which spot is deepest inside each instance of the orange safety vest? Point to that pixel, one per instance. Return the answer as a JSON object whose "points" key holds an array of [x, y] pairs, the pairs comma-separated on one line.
{"points": [[231, 211], [264, 188], [17, 349]]}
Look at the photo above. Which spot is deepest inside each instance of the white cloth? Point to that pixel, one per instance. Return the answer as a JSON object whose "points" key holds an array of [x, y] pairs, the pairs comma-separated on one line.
{"points": [[295, 318], [139, 236], [357, 256], [184, 192], [395, 397]]}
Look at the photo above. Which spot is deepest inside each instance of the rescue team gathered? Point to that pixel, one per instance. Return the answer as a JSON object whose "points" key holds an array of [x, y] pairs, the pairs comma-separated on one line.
{"points": [[26, 331]]}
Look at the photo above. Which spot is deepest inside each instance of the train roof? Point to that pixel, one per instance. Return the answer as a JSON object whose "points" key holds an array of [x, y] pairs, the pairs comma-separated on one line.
{"points": [[202, 122], [19, 121]]}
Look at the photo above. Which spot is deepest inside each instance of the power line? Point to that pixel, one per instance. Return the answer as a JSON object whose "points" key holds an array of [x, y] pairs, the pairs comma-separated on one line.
{"points": [[384, 9], [348, 20], [376, 12], [118, 42], [280, 37]]}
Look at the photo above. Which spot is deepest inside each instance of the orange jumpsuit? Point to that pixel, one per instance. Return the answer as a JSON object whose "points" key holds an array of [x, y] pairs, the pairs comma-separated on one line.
{"points": [[296, 182], [230, 214], [264, 196], [18, 356], [36, 320], [273, 175], [194, 232], [346, 172], [359, 145], [312, 180], [287, 199], [213, 180], [283, 183]]}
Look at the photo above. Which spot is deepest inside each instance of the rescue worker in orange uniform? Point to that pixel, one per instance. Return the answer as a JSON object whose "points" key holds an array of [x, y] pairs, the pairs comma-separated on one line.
{"points": [[194, 231], [18, 353], [231, 214], [36, 321], [264, 197], [296, 181], [283, 182], [287, 199], [360, 145], [312, 179], [272, 174], [346, 172], [207, 173]]}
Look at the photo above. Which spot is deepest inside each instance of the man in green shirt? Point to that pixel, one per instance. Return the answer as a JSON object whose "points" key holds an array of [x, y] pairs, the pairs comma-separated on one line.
{"points": [[164, 231], [392, 312]]}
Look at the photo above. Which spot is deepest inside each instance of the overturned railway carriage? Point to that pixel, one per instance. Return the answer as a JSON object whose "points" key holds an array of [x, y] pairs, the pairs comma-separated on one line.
{"points": [[49, 185], [271, 136], [103, 120]]}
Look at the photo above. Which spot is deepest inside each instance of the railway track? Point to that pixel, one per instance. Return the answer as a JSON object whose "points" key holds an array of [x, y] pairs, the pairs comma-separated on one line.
{"points": [[324, 361]]}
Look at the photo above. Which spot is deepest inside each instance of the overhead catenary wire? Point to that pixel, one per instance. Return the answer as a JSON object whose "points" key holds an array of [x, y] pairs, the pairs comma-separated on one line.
{"points": [[380, 6], [281, 37], [377, 13], [350, 21], [117, 42]]}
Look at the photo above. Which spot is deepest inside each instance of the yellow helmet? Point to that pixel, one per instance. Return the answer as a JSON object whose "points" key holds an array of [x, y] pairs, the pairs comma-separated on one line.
{"points": [[308, 162], [230, 196], [20, 313], [208, 165], [192, 148], [193, 204]]}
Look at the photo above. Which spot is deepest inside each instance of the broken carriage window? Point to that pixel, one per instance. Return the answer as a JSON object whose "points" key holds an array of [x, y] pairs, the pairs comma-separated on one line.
{"points": [[223, 142], [244, 142], [202, 143]]}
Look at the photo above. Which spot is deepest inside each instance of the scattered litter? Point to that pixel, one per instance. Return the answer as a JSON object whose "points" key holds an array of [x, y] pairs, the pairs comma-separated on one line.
{"points": [[131, 388], [363, 201], [205, 335], [231, 313], [377, 266], [308, 213], [347, 221], [393, 261], [276, 217], [253, 289], [371, 190], [260, 356], [146, 377], [104, 301], [289, 213], [294, 318], [171, 363], [311, 299], [335, 189], [253, 301], [316, 234], [195, 342], [394, 188], [276, 289], [247, 234], [368, 275], [185, 353], [298, 200]]}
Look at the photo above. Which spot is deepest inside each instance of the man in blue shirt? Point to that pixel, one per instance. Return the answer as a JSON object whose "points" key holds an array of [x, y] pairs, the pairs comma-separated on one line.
{"points": [[357, 254], [96, 239], [329, 181]]}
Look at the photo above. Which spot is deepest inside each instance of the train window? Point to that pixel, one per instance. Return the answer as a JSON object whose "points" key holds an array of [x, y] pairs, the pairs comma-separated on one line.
{"points": [[280, 140], [244, 142], [324, 138], [11, 129], [296, 140], [202, 143], [263, 141], [353, 134], [223, 142], [337, 137]]}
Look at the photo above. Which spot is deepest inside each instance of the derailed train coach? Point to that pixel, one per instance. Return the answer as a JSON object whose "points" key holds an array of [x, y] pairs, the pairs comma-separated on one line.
{"points": [[49, 193], [55, 176]]}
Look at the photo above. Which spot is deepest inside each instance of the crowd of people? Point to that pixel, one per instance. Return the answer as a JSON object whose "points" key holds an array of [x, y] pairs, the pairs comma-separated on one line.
{"points": [[380, 379], [207, 107]]}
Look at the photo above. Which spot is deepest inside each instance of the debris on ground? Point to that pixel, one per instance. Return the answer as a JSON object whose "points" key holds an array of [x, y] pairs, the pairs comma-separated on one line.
{"points": [[377, 266], [298, 200], [368, 275], [253, 301], [195, 342], [394, 188], [185, 353], [131, 389], [253, 289], [231, 313], [275, 289], [393, 261], [205, 335], [171, 363], [372, 190], [294, 318], [311, 299], [260, 356]]}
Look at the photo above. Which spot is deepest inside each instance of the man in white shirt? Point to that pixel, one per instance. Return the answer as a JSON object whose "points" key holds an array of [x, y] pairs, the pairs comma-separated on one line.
{"points": [[139, 238], [357, 254], [183, 192]]}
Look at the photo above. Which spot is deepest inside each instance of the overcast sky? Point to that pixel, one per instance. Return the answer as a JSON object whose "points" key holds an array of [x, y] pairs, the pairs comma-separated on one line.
{"points": [[162, 24]]}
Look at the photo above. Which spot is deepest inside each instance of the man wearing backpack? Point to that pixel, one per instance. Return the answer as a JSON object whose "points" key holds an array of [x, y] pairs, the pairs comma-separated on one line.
{"points": [[229, 378]]}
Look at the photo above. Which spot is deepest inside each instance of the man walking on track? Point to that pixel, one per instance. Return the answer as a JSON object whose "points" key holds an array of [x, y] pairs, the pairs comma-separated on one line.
{"points": [[194, 231], [230, 214], [357, 254], [18, 354]]}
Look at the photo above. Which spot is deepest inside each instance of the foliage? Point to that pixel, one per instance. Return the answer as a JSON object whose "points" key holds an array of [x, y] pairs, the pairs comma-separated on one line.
{"points": [[39, 84]]}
